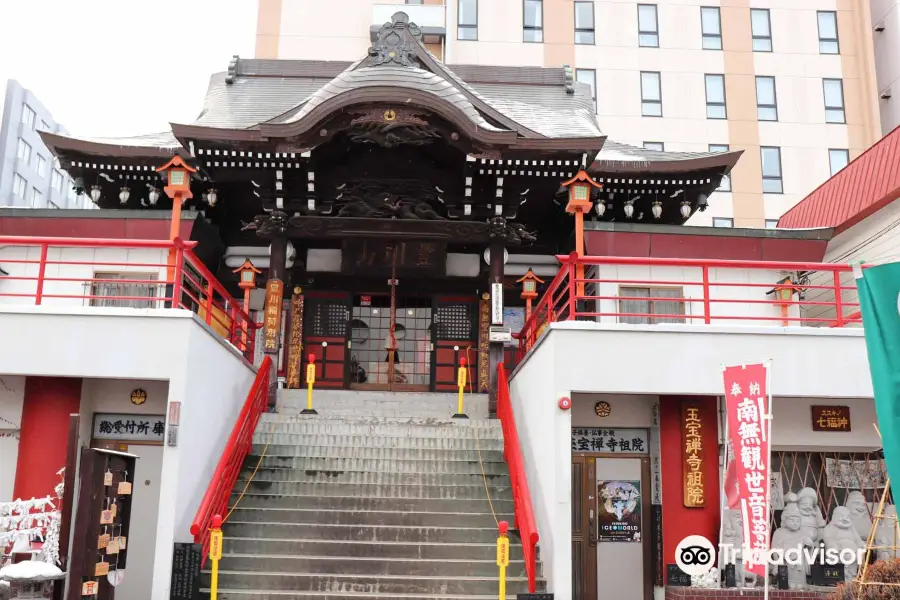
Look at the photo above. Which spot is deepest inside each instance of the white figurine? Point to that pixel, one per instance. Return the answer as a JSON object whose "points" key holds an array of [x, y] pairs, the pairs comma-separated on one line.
{"points": [[885, 534], [792, 536], [859, 514], [810, 514], [840, 535]]}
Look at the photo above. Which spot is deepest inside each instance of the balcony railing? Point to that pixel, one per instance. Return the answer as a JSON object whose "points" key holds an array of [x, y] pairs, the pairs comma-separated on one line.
{"points": [[120, 273], [712, 292]]}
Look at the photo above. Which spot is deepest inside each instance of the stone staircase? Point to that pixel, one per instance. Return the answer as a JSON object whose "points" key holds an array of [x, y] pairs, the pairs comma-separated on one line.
{"points": [[379, 496]]}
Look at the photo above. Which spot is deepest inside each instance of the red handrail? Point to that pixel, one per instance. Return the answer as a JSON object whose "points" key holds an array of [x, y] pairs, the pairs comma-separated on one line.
{"points": [[512, 452], [215, 500]]}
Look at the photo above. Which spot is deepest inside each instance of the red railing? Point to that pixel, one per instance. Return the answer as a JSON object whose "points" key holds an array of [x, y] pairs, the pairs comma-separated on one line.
{"points": [[694, 291], [215, 500], [46, 270], [512, 452]]}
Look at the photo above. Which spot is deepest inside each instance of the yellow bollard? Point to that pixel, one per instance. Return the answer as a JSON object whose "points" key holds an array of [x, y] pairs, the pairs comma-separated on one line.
{"points": [[215, 553], [503, 556], [461, 384], [310, 380]]}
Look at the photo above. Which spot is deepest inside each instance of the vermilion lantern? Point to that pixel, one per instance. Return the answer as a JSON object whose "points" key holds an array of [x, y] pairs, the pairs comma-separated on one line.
{"points": [[580, 192], [178, 177], [247, 273]]}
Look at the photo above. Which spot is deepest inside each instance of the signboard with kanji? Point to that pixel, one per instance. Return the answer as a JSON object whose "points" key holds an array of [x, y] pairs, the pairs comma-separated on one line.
{"points": [[372, 257], [125, 427], [272, 318], [831, 418], [747, 405], [612, 441], [693, 453]]}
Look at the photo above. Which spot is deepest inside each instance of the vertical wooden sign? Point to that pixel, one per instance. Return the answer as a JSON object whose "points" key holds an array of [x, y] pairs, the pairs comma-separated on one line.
{"points": [[272, 319], [295, 343], [694, 455], [484, 330]]}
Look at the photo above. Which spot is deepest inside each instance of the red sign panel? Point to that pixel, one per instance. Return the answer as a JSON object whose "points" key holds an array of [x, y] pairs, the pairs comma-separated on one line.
{"points": [[747, 405]]}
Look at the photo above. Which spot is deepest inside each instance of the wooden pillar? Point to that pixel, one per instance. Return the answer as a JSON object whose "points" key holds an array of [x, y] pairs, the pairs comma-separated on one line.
{"points": [[495, 353], [274, 303]]}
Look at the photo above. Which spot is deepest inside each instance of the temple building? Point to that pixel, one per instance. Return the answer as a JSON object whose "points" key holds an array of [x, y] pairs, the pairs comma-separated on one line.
{"points": [[374, 315]]}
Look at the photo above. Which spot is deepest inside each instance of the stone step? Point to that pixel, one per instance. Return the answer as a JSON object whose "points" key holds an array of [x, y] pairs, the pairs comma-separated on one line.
{"points": [[383, 584], [380, 420], [288, 595], [370, 490], [352, 549], [372, 533], [367, 517], [354, 502], [387, 404], [329, 565], [299, 442], [375, 477], [434, 454], [462, 429], [376, 465]]}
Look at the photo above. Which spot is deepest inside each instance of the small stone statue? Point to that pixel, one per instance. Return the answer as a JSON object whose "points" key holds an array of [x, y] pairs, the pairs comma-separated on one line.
{"points": [[794, 537], [840, 535], [885, 534], [810, 514], [859, 514], [733, 537]]}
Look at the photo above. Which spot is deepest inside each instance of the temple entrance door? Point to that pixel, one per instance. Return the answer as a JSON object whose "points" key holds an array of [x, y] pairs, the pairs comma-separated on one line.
{"points": [[584, 528], [326, 325], [370, 363]]}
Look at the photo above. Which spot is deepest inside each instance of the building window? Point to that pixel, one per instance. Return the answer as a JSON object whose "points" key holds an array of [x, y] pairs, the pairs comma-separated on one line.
{"points": [[725, 183], [711, 25], [56, 181], [109, 290], [23, 152], [771, 169], [715, 97], [651, 94], [415, 1], [37, 198], [467, 20], [45, 126], [722, 222], [766, 103], [834, 100], [28, 116], [648, 26], [588, 76], [584, 23], [534, 21], [658, 146], [649, 306], [19, 185], [41, 166], [828, 33], [838, 159], [771, 223], [761, 27]]}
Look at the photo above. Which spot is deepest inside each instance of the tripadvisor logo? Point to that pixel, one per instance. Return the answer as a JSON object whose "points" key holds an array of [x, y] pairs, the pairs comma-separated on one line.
{"points": [[695, 555]]}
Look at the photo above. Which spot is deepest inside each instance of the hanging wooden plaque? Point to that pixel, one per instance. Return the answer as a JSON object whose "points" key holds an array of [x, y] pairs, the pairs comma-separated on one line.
{"points": [[112, 547], [106, 517], [107, 478], [272, 317], [122, 541], [102, 541], [295, 343], [484, 332], [89, 588], [693, 453], [101, 569], [124, 488]]}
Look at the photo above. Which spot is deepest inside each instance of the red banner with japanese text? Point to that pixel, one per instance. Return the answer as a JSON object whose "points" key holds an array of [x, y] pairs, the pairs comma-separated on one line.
{"points": [[747, 406]]}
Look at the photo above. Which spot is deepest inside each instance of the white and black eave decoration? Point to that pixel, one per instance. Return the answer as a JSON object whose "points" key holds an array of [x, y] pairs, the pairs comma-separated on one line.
{"points": [[8, 429]]}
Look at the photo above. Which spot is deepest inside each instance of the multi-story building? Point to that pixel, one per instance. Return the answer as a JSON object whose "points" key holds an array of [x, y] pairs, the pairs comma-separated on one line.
{"points": [[790, 82], [886, 27], [30, 177]]}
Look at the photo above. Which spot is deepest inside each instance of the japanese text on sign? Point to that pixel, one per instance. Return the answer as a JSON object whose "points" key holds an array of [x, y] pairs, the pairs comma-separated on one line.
{"points": [[831, 418], [149, 428], [692, 446], [748, 414], [619, 441], [295, 345], [272, 318]]}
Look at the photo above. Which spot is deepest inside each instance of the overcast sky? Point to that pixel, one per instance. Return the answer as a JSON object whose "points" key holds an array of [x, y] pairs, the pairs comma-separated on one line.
{"points": [[121, 67]]}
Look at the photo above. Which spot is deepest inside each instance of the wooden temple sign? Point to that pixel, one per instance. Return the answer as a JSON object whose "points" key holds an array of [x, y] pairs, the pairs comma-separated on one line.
{"points": [[831, 418], [693, 453], [295, 341], [484, 331], [272, 319], [376, 257]]}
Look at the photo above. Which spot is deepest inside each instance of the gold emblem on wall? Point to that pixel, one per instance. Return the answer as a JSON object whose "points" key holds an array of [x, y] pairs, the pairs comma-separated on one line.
{"points": [[602, 408], [138, 397], [390, 115]]}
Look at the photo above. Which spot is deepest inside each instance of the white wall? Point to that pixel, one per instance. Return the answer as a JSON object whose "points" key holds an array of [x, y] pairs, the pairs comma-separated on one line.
{"points": [[12, 396], [207, 375], [887, 58], [629, 365], [99, 260]]}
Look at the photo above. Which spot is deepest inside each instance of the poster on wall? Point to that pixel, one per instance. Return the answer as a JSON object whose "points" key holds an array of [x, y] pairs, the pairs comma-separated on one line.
{"points": [[514, 318], [619, 511], [855, 474]]}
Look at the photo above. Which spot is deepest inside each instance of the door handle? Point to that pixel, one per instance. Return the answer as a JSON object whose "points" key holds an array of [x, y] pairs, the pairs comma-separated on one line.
{"points": [[592, 530]]}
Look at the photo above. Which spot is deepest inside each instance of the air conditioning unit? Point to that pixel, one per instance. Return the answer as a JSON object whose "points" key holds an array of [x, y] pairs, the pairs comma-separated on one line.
{"points": [[885, 94]]}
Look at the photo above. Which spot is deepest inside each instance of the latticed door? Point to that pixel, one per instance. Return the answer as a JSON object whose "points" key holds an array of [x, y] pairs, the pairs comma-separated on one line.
{"points": [[326, 324], [455, 337]]}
